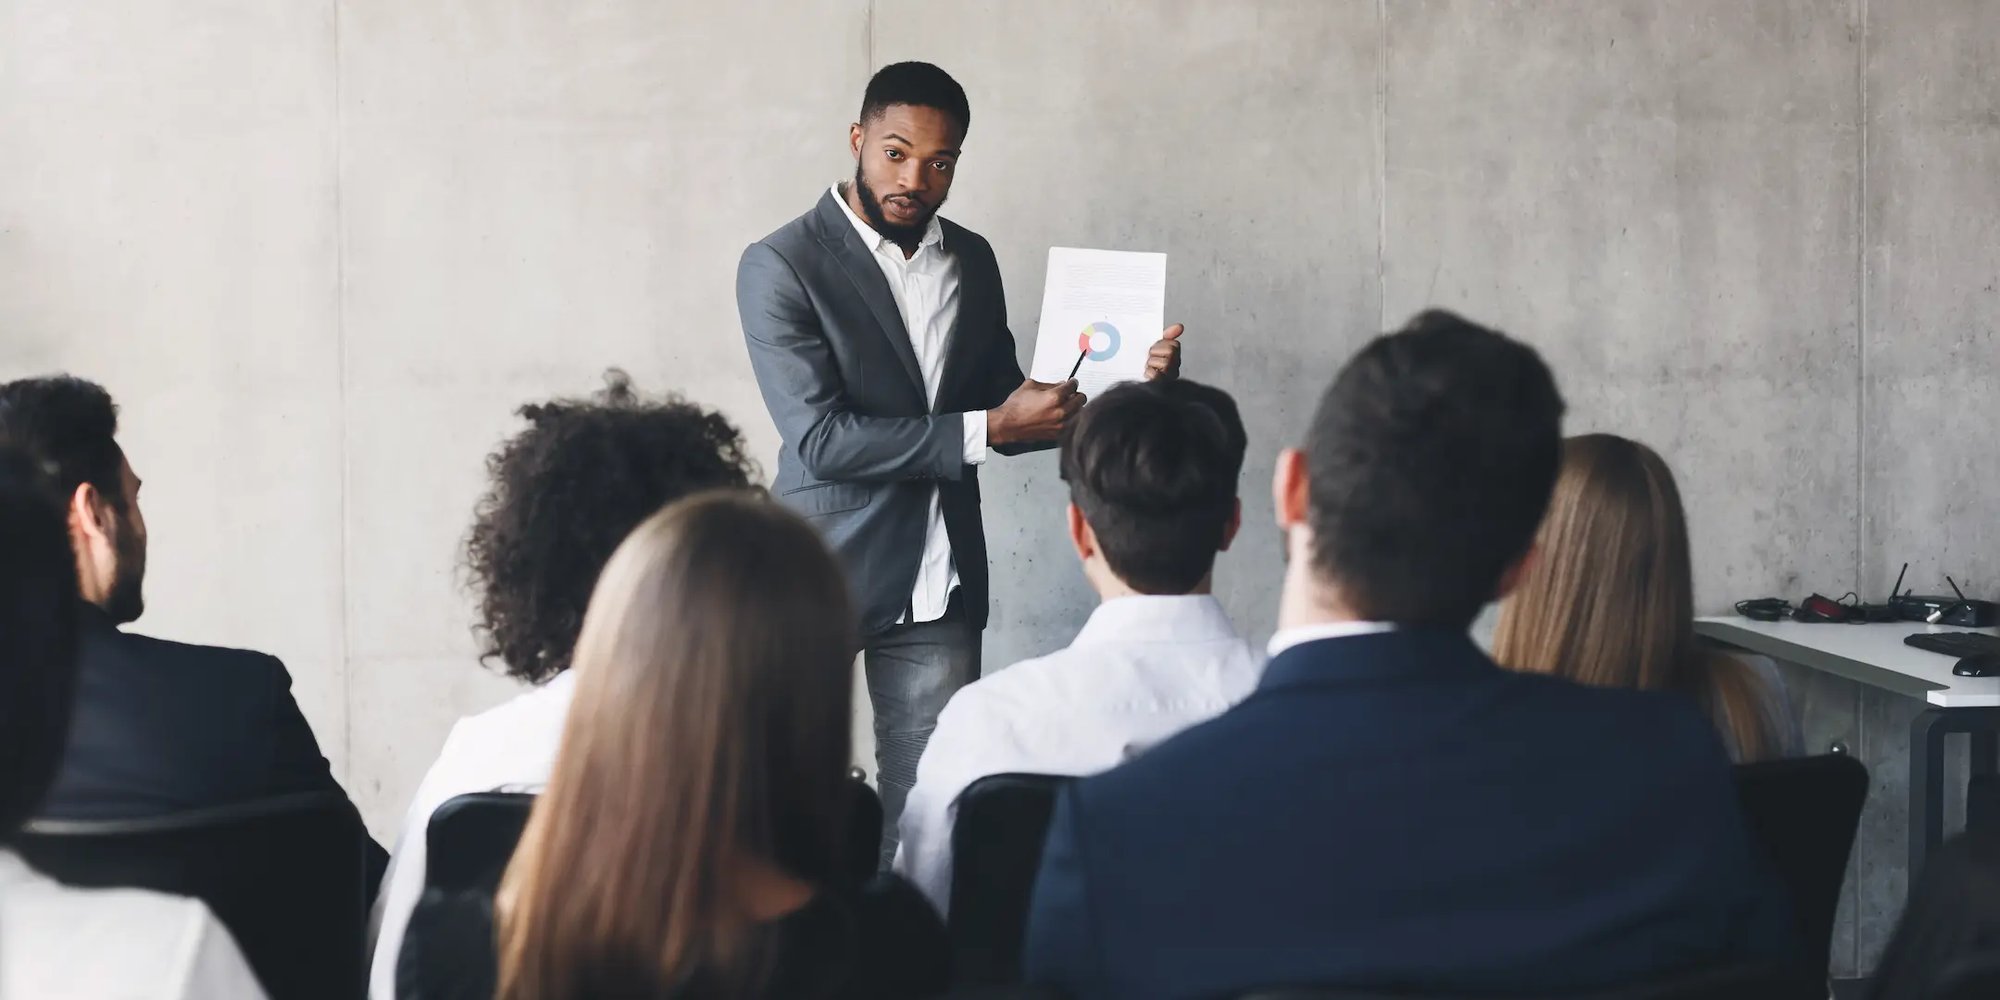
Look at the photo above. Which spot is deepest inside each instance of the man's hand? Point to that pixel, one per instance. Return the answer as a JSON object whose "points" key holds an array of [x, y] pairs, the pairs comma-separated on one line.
{"points": [[1163, 360], [1033, 413]]}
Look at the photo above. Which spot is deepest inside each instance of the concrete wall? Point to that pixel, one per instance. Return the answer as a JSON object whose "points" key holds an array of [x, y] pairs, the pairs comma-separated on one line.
{"points": [[320, 250]]}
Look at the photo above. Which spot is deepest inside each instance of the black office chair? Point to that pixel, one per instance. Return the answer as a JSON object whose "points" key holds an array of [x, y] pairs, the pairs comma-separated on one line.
{"points": [[287, 876], [471, 837], [1732, 983], [1804, 813], [996, 847]]}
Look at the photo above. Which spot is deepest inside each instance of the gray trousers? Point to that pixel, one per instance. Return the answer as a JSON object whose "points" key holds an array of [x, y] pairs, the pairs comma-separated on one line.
{"points": [[912, 671]]}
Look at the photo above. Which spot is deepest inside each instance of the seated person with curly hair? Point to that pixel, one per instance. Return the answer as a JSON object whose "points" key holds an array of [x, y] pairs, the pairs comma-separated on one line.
{"points": [[564, 493]]}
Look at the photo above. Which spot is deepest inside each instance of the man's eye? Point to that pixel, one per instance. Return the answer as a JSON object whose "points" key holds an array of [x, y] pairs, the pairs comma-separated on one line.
{"points": [[893, 154]]}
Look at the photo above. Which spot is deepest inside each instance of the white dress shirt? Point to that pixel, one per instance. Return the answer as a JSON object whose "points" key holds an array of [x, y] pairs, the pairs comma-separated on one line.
{"points": [[64, 943], [1142, 669], [510, 747], [926, 289]]}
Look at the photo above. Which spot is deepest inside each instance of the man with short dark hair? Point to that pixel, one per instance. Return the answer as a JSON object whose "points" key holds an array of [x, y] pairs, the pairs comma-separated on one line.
{"points": [[878, 334], [1390, 809], [159, 727], [1152, 470]]}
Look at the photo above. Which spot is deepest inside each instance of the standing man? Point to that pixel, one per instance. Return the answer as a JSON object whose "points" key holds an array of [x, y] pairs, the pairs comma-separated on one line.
{"points": [[878, 332]]}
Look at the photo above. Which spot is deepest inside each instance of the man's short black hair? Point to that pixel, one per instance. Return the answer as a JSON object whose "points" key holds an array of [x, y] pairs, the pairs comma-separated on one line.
{"points": [[564, 493], [69, 426], [38, 621], [919, 84], [1431, 458], [1153, 466]]}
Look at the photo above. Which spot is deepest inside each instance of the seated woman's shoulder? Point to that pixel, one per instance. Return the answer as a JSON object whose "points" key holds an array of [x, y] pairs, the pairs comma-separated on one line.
{"points": [[166, 945], [899, 948]]}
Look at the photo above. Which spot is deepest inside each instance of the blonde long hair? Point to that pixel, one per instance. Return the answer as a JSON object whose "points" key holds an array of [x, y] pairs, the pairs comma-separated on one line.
{"points": [[708, 732], [1609, 598]]}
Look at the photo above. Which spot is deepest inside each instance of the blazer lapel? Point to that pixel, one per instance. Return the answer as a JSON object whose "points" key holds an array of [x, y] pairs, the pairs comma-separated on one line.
{"points": [[959, 341], [840, 238]]}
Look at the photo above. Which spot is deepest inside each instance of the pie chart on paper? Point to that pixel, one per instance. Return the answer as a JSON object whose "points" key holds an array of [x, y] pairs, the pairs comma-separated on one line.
{"points": [[1098, 341]]}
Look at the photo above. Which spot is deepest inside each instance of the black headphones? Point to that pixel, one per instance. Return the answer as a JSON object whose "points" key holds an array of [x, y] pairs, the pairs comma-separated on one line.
{"points": [[1765, 609]]}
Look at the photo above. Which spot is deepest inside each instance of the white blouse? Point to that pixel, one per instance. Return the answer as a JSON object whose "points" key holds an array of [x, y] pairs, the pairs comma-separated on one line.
{"points": [[63, 943]]}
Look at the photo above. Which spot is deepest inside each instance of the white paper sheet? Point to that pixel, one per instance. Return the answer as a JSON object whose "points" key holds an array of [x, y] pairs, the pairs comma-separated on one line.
{"points": [[1113, 301]]}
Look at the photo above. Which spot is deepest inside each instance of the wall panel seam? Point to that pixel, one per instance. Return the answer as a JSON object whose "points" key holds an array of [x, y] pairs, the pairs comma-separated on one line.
{"points": [[340, 374], [1382, 169]]}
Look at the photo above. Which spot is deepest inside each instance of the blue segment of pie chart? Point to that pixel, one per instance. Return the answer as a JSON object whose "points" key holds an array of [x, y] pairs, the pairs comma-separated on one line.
{"points": [[1098, 341]]}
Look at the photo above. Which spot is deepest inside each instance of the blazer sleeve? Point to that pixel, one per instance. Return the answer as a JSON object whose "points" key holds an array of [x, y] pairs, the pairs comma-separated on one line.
{"points": [[1060, 948], [1002, 370], [808, 400], [295, 762]]}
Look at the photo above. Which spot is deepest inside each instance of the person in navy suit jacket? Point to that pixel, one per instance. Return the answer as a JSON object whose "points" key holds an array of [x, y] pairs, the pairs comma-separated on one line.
{"points": [[1390, 809]]}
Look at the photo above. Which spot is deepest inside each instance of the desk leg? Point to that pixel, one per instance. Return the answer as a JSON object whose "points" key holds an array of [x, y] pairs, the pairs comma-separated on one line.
{"points": [[1927, 733]]}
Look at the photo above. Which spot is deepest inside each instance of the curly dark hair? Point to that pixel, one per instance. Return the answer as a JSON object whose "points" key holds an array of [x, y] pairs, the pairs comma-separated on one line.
{"points": [[564, 493]]}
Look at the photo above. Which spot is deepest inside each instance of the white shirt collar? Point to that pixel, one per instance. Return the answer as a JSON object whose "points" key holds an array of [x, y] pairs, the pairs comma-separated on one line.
{"points": [[1300, 635], [1157, 618], [933, 232]]}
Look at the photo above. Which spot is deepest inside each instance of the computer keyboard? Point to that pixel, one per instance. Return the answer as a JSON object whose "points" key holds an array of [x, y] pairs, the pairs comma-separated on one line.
{"points": [[1959, 644]]}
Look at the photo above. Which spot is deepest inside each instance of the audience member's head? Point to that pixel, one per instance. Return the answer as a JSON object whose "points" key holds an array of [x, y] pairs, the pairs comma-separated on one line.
{"points": [[1152, 469], [704, 761], [1953, 915], [38, 597], [564, 493], [70, 426], [906, 145], [1417, 493], [1608, 599]]}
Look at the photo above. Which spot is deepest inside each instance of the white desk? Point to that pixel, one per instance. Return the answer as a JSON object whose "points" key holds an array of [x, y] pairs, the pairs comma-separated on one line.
{"points": [[1876, 656], [1870, 654]]}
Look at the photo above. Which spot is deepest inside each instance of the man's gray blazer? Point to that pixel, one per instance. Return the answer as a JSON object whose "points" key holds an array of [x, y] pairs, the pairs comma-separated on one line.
{"points": [[863, 448]]}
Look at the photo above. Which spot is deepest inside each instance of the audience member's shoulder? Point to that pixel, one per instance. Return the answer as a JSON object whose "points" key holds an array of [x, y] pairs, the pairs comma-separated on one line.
{"points": [[1165, 765], [891, 896], [220, 657], [153, 933], [901, 945], [1026, 682], [1662, 729]]}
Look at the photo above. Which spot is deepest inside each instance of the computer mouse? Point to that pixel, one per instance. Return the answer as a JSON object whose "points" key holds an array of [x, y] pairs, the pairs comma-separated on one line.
{"points": [[1978, 665]]}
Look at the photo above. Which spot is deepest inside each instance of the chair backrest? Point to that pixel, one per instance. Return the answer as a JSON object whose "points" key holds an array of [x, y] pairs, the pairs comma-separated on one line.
{"points": [[471, 837], [1804, 813], [1745, 982], [286, 876], [996, 847]]}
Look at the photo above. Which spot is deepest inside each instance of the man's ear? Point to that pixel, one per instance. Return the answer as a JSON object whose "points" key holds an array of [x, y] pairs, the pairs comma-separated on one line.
{"points": [[1080, 536], [854, 140], [1516, 572], [1235, 524], [1291, 495], [90, 518]]}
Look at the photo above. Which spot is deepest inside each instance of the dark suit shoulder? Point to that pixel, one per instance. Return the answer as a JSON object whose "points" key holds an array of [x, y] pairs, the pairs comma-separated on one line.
{"points": [[191, 656]]}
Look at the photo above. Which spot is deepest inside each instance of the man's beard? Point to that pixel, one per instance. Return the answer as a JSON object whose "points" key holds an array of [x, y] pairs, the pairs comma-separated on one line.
{"points": [[906, 237], [127, 601]]}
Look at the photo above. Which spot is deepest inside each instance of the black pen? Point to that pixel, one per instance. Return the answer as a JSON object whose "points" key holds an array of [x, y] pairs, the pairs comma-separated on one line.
{"points": [[1073, 369]]}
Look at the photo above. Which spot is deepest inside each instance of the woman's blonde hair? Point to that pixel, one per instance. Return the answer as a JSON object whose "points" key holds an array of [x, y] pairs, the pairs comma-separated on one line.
{"points": [[708, 731], [1608, 599]]}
